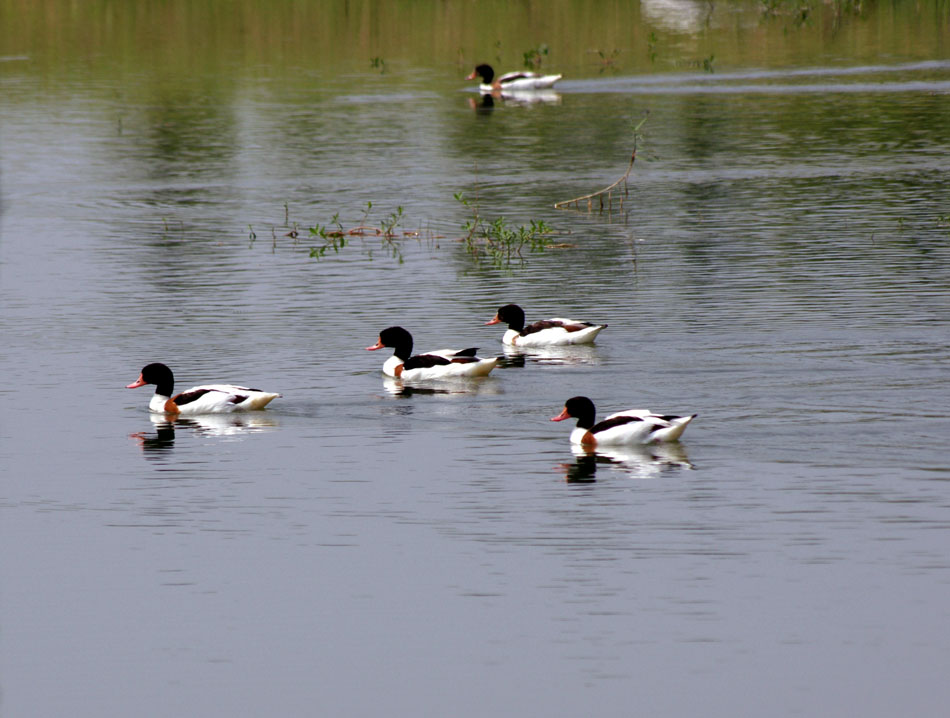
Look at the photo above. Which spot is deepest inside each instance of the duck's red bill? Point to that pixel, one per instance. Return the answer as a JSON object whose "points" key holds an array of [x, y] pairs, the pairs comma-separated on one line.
{"points": [[562, 416], [138, 382], [377, 345], [493, 321]]}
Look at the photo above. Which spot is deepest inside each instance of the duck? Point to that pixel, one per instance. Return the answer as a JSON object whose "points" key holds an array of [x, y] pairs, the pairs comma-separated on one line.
{"points": [[441, 364], [513, 81], [204, 399], [546, 333], [630, 427]]}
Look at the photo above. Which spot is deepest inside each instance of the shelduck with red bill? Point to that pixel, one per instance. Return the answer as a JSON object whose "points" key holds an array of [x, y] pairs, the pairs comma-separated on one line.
{"points": [[204, 399], [630, 427], [545, 333], [440, 364]]}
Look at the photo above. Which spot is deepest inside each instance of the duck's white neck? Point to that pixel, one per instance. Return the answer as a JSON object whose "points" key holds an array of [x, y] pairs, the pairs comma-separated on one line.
{"points": [[389, 366], [511, 337], [157, 403], [577, 436]]}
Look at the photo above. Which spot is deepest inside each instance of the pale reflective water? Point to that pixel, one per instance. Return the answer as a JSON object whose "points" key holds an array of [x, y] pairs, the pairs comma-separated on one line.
{"points": [[365, 547]]}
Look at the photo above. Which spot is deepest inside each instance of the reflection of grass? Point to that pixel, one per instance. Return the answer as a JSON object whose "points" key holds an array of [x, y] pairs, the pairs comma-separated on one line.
{"points": [[706, 63]]}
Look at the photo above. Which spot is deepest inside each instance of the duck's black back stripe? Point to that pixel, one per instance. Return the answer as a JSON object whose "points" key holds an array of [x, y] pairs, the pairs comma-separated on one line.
{"points": [[611, 423], [538, 326], [186, 397], [424, 361]]}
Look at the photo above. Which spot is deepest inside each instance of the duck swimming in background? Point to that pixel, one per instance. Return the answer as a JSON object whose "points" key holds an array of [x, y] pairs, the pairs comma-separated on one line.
{"points": [[513, 81], [441, 364], [634, 426], [204, 399], [546, 333]]}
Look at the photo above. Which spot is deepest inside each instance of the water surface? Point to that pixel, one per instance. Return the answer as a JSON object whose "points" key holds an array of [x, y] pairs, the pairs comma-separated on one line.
{"points": [[780, 266]]}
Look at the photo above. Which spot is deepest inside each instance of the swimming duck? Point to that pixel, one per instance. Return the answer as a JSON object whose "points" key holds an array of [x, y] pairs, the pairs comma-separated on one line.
{"points": [[546, 333], [204, 399], [634, 426], [441, 364], [514, 81]]}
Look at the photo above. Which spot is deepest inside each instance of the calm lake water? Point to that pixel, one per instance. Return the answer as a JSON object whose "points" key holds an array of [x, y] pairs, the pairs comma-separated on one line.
{"points": [[780, 266]]}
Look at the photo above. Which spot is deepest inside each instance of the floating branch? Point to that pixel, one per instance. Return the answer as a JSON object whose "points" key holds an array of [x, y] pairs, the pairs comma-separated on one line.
{"points": [[609, 189]]}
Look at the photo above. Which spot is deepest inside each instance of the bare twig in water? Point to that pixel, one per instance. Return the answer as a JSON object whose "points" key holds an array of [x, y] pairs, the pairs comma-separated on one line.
{"points": [[608, 190]]}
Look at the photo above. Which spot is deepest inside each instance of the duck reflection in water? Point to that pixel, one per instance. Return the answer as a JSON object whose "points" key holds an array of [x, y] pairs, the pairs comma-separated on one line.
{"points": [[582, 471], [482, 106], [638, 462], [396, 387], [400, 389], [219, 425], [532, 97], [158, 443], [512, 359], [574, 354], [485, 104]]}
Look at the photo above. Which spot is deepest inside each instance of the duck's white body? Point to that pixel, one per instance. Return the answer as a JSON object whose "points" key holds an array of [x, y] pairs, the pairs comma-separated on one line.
{"points": [[212, 399], [624, 428], [555, 336], [555, 332]]}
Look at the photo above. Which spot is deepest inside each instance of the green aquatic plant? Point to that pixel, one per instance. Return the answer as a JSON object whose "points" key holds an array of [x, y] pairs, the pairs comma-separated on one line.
{"points": [[535, 56], [651, 47], [336, 244], [335, 236], [498, 240], [389, 224], [607, 59]]}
